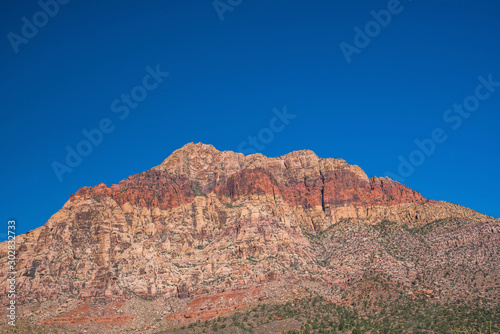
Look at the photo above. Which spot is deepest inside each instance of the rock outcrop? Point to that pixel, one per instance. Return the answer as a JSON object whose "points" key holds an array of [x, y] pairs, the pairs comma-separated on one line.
{"points": [[205, 223]]}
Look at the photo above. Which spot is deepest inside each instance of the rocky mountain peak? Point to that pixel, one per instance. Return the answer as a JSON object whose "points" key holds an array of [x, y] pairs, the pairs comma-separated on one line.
{"points": [[235, 230]]}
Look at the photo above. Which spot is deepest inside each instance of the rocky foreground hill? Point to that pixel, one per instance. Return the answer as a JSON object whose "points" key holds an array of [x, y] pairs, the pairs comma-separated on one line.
{"points": [[210, 235]]}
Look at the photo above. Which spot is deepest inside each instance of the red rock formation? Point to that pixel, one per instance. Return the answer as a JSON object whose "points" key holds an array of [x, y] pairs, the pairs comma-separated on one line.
{"points": [[249, 182], [205, 224], [149, 189]]}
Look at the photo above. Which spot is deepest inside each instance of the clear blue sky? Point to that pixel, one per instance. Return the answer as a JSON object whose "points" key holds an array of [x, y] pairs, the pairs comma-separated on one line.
{"points": [[226, 77]]}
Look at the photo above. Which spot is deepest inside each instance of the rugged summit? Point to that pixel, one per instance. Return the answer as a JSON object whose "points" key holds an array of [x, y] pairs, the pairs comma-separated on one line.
{"points": [[207, 232]]}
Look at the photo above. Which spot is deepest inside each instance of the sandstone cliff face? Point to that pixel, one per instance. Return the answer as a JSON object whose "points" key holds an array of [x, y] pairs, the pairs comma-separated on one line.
{"points": [[206, 222]]}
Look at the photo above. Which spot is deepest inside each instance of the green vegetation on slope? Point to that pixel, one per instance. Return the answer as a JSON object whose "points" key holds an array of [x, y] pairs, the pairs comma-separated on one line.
{"points": [[316, 315]]}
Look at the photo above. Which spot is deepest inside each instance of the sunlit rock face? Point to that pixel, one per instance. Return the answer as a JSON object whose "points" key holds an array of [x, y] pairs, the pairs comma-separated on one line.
{"points": [[205, 223]]}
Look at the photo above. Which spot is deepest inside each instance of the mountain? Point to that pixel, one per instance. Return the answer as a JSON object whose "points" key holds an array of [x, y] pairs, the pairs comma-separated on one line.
{"points": [[207, 233]]}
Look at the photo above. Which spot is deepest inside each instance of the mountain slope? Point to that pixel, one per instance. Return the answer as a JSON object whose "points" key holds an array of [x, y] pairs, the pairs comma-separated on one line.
{"points": [[207, 232]]}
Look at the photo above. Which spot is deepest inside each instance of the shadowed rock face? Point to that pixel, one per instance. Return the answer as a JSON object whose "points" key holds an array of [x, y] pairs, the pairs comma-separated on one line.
{"points": [[205, 221]]}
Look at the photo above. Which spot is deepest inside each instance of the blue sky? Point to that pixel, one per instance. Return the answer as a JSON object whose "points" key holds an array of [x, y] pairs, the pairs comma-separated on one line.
{"points": [[225, 78]]}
